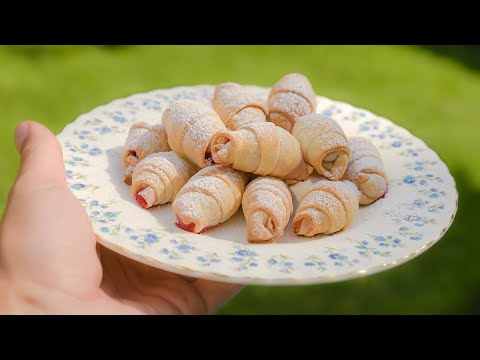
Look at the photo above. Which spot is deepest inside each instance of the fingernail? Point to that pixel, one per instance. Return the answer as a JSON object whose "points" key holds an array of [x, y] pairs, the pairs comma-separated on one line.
{"points": [[21, 133]]}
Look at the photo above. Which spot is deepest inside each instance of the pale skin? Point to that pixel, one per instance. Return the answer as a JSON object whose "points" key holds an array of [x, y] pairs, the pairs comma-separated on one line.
{"points": [[50, 262]]}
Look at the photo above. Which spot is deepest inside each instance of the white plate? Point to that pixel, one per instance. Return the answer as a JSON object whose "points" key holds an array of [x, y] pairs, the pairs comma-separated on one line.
{"points": [[417, 210]]}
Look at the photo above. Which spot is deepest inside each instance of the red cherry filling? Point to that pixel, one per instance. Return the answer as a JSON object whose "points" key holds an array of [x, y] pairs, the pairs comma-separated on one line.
{"points": [[191, 227], [187, 227], [133, 153], [141, 201]]}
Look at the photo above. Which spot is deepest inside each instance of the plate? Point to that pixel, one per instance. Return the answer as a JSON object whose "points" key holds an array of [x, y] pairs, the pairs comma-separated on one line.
{"points": [[416, 212]]}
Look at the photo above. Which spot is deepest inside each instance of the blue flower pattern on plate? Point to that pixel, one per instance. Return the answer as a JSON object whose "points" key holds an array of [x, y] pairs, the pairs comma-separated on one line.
{"points": [[282, 262], [421, 176], [245, 258]]}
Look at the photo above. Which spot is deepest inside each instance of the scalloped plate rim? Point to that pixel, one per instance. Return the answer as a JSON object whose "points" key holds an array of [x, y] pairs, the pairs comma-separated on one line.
{"points": [[247, 280]]}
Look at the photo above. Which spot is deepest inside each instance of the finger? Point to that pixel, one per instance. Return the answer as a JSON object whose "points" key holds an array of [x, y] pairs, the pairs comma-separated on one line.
{"points": [[149, 289], [41, 156], [46, 236], [213, 295], [216, 294]]}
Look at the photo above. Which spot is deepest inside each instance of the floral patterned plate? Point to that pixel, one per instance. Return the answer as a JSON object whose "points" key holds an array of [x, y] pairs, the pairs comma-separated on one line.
{"points": [[417, 211]]}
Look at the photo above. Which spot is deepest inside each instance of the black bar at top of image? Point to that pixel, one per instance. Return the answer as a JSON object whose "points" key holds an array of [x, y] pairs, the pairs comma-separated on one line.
{"points": [[202, 24]]}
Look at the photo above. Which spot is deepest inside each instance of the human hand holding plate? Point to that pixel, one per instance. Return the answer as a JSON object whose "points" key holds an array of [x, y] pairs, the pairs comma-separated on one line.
{"points": [[50, 262]]}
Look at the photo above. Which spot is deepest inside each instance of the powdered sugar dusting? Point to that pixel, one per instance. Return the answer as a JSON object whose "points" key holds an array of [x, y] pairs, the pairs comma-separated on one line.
{"points": [[364, 157], [247, 116], [185, 110], [261, 148], [296, 83], [338, 199], [260, 226], [191, 126], [314, 221], [322, 131], [324, 144], [162, 171], [171, 163], [328, 130], [366, 169], [210, 183], [144, 139], [198, 136], [320, 199], [264, 199], [266, 131], [364, 164], [314, 213], [291, 104], [270, 196], [198, 208], [231, 98]]}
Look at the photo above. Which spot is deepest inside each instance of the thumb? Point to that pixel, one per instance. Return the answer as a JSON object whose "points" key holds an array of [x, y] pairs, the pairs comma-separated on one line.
{"points": [[41, 156], [46, 237]]}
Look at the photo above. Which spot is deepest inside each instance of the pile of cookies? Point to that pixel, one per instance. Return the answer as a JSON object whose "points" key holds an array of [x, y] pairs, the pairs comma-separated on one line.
{"points": [[210, 159]]}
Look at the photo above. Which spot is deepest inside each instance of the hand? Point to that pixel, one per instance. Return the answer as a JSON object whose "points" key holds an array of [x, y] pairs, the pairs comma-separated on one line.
{"points": [[50, 262]]}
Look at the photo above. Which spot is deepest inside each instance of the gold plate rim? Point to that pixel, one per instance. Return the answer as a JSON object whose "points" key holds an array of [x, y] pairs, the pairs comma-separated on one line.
{"points": [[284, 281]]}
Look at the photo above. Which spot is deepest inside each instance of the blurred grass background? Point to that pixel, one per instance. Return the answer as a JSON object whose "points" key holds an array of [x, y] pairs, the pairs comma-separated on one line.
{"points": [[434, 91]]}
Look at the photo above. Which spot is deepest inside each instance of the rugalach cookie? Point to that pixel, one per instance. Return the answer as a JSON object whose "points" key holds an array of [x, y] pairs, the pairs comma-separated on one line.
{"points": [[209, 198], [267, 206], [324, 145], [326, 207], [237, 106], [143, 139], [366, 170], [290, 98], [159, 177], [263, 149], [190, 126]]}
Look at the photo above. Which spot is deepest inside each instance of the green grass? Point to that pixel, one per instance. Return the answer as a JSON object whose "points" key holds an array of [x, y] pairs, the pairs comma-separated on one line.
{"points": [[435, 97]]}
